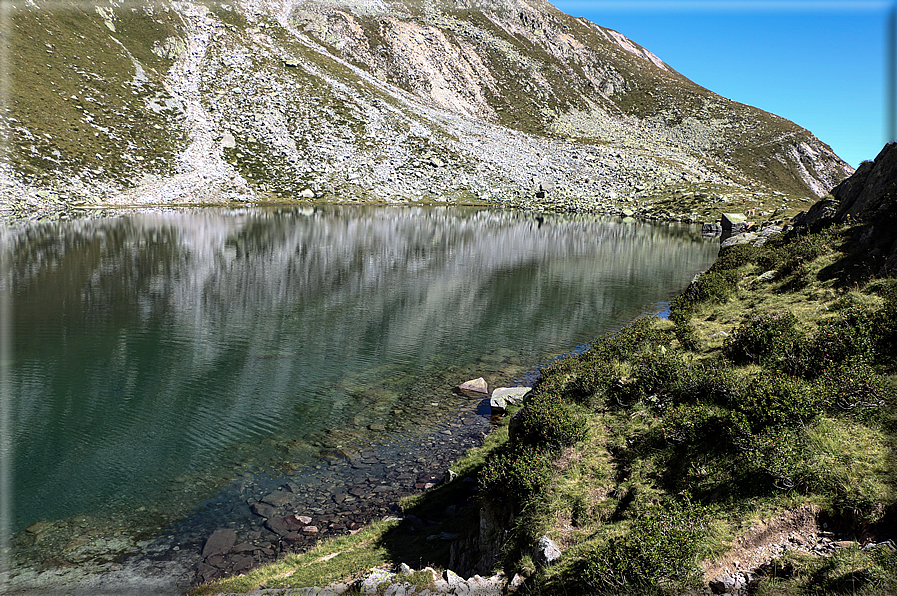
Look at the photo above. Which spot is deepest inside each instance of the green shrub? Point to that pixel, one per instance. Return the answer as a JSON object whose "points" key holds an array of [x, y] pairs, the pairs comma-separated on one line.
{"points": [[774, 400], [733, 257], [515, 476], [686, 334], [546, 420], [847, 337], [711, 286], [591, 383], [659, 553], [852, 387], [710, 383], [792, 251], [630, 340], [850, 463], [774, 451], [765, 339], [884, 326], [684, 423], [657, 375]]}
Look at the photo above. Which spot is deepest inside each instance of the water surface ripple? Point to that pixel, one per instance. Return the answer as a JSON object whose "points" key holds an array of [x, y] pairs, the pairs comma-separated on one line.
{"points": [[158, 356]]}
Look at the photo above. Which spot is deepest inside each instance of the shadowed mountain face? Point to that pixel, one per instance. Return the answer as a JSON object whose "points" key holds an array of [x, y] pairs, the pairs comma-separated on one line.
{"points": [[380, 100]]}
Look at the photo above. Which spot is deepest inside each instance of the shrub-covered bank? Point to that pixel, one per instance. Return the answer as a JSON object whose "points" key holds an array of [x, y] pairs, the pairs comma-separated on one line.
{"points": [[646, 457], [745, 444], [771, 385]]}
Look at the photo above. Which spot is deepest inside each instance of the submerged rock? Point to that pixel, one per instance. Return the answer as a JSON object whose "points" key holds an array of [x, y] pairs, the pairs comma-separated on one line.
{"points": [[219, 543]]}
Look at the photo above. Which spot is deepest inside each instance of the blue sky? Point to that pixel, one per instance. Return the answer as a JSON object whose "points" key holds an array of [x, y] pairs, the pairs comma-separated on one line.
{"points": [[820, 64]]}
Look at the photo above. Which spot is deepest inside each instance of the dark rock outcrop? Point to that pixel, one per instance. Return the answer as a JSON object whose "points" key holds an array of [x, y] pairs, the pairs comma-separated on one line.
{"points": [[870, 189], [866, 196]]}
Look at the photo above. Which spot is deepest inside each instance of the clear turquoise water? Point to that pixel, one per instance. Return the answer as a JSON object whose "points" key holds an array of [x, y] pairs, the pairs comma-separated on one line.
{"points": [[157, 356]]}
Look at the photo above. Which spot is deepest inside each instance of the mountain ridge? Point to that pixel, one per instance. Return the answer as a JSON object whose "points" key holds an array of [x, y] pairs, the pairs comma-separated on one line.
{"points": [[399, 101]]}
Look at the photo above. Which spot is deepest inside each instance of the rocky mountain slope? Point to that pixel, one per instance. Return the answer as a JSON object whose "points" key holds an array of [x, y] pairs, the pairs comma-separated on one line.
{"points": [[387, 100]]}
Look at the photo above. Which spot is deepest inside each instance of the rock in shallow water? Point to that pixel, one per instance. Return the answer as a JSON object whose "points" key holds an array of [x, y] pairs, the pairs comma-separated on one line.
{"points": [[220, 542], [475, 386]]}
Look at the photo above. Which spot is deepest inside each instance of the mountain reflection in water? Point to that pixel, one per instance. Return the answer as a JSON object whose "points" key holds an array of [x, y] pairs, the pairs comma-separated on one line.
{"points": [[158, 355]]}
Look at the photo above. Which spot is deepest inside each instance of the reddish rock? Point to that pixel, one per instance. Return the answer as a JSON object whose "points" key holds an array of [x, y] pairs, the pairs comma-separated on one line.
{"points": [[207, 572], [308, 530], [304, 519], [291, 539], [220, 542]]}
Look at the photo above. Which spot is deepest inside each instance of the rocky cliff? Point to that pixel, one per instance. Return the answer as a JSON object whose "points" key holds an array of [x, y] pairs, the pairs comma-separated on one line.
{"points": [[387, 100]]}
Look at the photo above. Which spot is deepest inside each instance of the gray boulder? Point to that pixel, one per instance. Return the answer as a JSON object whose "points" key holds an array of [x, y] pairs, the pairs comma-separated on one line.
{"points": [[733, 222], [507, 396], [546, 552]]}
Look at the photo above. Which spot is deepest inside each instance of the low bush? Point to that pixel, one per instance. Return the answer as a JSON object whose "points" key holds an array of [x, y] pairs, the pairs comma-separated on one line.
{"points": [[685, 423], [591, 383], [768, 339], [778, 401], [632, 339], [733, 257], [686, 334], [546, 420], [659, 553], [848, 336], [789, 252], [711, 286], [884, 326], [709, 383], [852, 387], [774, 451], [849, 464], [657, 375], [516, 475]]}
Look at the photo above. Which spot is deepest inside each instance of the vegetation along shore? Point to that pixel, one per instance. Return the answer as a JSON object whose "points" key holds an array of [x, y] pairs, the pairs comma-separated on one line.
{"points": [[744, 445]]}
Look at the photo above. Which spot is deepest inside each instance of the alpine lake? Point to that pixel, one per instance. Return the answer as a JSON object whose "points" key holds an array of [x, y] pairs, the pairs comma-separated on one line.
{"points": [[175, 372]]}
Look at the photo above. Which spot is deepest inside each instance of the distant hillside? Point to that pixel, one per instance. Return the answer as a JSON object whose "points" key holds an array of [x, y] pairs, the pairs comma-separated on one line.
{"points": [[170, 102]]}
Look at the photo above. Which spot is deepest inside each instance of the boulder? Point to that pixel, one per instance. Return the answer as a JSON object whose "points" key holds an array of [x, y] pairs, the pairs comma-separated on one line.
{"points": [[284, 525], [475, 386], [219, 543], [506, 396], [823, 211], [546, 552], [722, 583], [746, 238], [733, 222], [711, 229]]}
